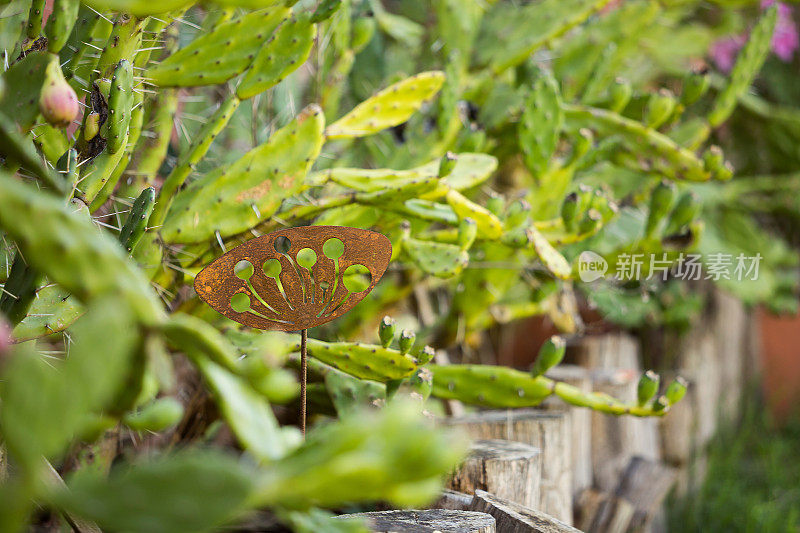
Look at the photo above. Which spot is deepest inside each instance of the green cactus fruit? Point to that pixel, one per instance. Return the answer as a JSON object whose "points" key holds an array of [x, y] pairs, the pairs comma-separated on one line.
{"points": [[713, 158], [221, 54], [686, 210], [518, 213], [136, 224], [60, 23], [363, 30], [406, 341], [659, 108], [236, 197], [550, 354], [661, 200], [35, 17], [446, 164], [120, 104], [495, 203], [91, 126], [647, 387], [488, 225], [695, 85], [58, 103], [590, 222], [284, 53], [676, 390], [387, 330], [714, 161], [467, 231], [159, 415], [387, 108], [725, 173], [426, 355], [569, 212], [489, 386], [619, 95], [660, 404]]}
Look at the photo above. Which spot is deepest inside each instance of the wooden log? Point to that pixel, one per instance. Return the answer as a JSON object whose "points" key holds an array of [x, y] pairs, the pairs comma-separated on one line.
{"points": [[453, 500], [730, 329], [580, 422], [512, 517], [613, 362], [600, 512], [633, 505], [546, 430], [510, 470], [645, 484], [427, 521]]}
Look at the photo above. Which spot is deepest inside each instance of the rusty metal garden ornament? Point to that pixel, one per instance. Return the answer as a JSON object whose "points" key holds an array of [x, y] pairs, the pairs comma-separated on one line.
{"points": [[295, 279]]}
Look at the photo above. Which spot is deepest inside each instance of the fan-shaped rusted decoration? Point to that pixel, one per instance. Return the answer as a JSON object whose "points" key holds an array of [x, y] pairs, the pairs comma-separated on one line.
{"points": [[273, 282]]}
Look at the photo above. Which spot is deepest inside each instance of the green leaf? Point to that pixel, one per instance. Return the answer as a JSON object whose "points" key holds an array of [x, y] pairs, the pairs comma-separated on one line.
{"points": [[540, 124], [190, 491]]}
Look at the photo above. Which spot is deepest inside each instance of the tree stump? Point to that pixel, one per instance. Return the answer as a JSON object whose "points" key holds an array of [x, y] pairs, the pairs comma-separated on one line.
{"points": [[510, 470], [512, 517], [428, 521], [546, 430], [453, 500], [580, 422]]}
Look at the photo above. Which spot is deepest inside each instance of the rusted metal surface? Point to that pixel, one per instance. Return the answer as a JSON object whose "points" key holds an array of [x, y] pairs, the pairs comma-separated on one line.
{"points": [[271, 288]]}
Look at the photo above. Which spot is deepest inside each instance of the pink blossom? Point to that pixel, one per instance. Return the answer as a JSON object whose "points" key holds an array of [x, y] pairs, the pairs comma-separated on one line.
{"points": [[723, 52], [785, 38]]}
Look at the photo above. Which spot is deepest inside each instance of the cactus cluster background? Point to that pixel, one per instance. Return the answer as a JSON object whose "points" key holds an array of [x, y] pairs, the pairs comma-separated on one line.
{"points": [[492, 141]]}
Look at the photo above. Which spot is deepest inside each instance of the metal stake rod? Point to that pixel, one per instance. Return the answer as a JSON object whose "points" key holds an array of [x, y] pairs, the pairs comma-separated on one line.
{"points": [[303, 379]]}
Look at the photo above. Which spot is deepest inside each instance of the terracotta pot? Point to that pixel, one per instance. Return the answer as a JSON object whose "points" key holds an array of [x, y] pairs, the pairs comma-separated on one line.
{"points": [[780, 355]]}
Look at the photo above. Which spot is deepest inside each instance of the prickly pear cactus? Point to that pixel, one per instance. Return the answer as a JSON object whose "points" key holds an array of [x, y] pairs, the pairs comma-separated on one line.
{"points": [[148, 149]]}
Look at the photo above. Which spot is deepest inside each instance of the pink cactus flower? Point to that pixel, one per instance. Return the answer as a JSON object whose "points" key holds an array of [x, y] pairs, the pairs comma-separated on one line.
{"points": [[723, 52], [785, 39]]}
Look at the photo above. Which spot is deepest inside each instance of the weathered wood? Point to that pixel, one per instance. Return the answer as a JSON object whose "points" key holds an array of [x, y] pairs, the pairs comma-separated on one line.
{"points": [[454, 500], [548, 431], [731, 342], [512, 517], [613, 362], [427, 521], [645, 484], [600, 512], [580, 422], [632, 505], [510, 470]]}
